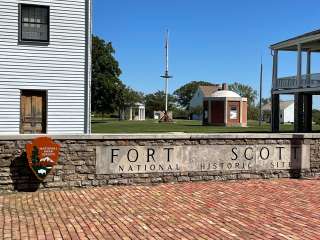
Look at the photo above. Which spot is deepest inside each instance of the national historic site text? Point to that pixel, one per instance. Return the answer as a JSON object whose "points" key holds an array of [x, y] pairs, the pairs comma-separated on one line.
{"points": [[145, 159]]}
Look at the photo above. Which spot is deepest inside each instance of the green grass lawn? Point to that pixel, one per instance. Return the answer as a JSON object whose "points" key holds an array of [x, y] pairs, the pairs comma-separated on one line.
{"points": [[187, 126]]}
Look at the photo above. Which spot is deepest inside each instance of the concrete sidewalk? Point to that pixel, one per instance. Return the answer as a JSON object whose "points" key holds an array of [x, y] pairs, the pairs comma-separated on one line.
{"points": [[261, 209]]}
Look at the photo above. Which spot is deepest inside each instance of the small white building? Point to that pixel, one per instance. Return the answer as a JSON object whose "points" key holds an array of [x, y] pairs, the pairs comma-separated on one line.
{"points": [[286, 113], [202, 92], [45, 66], [137, 112]]}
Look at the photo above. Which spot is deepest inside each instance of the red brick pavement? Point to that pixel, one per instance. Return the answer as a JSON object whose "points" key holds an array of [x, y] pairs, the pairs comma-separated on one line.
{"points": [[260, 209]]}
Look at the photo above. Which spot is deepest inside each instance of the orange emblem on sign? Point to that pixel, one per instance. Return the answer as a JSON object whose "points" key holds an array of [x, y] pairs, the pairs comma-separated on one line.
{"points": [[42, 155]]}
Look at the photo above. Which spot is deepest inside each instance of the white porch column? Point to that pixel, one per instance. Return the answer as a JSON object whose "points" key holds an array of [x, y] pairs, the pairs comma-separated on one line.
{"points": [[298, 97], [299, 65], [226, 112], [275, 97], [130, 113]]}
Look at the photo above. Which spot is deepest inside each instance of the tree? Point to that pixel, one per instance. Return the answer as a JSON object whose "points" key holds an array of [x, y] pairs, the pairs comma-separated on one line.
{"points": [[253, 112], [180, 113], [244, 91], [249, 93], [131, 97], [156, 102], [265, 101], [106, 86], [316, 116], [185, 93], [197, 110], [127, 97]]}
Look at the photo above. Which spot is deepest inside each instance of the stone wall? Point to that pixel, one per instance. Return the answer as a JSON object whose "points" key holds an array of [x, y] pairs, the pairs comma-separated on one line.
{"points": [[78, 154]]}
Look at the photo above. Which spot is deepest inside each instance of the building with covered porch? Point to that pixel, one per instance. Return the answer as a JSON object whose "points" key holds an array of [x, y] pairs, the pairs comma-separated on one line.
{"points": [[137, 112], [302, 85]]}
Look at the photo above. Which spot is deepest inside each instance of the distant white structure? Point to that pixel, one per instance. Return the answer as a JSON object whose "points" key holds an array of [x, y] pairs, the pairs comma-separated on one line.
{"points": [[201, 93], [286, 113], [137, 112]]}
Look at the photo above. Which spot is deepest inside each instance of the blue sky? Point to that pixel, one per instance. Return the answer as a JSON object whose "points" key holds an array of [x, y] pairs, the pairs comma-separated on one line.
{"points": [[211, 40]]}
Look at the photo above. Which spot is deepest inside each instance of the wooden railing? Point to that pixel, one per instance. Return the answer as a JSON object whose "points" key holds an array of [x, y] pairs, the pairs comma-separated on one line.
{"points": [[307, 80]]}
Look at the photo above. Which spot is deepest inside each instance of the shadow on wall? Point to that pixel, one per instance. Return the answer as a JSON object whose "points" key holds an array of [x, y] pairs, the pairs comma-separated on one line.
{"points": [[296, 156], [23, 179]]}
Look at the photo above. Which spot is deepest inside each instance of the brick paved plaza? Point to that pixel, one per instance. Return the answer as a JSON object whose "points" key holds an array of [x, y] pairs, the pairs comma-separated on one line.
{"points": [[258, 209]]}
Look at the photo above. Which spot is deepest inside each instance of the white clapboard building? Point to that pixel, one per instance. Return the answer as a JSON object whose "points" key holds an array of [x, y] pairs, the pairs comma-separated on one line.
{"points": [[45, 64], [201, 93], [286, 112]]}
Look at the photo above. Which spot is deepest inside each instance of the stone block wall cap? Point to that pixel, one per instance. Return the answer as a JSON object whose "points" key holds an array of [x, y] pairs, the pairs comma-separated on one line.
{"points": [[169, 135]]}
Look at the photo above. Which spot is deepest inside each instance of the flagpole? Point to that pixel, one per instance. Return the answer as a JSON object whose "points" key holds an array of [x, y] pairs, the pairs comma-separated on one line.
{"points": [[166, 75], [167, 69], [260, 102]]}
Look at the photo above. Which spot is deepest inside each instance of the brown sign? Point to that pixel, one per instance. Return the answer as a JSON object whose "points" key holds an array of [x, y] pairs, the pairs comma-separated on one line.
{"points": [[42, 155]]}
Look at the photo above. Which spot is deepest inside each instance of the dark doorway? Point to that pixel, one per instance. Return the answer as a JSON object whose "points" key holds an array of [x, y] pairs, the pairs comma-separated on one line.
{"points": [[217, 112]]}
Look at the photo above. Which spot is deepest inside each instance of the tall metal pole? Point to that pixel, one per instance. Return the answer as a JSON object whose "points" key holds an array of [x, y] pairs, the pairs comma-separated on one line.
{"points": [[167, 68], [166, 75], [260, 102]]}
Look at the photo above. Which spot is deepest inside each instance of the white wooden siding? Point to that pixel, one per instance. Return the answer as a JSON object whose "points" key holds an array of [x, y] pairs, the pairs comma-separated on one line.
{"points": [[197, 99], [288, 114], [58, 67]]}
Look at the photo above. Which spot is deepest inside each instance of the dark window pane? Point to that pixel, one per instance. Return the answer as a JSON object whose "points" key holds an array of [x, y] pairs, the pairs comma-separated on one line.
{"points": [[34, 23], [25, 13]]}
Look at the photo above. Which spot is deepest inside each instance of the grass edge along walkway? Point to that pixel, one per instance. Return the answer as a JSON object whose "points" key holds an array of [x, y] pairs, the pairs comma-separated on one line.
{"points": [[185, 126]]}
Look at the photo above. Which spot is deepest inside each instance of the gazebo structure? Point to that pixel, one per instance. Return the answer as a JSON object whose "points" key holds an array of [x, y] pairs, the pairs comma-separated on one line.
{"points": [[302, 86], [137, 112], [225, 108]]}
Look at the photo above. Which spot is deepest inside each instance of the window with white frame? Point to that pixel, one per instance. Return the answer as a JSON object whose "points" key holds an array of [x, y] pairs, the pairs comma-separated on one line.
{"points": [[233, 112]]}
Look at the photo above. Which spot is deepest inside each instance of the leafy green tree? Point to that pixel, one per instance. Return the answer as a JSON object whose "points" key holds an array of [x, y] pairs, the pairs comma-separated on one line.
{"points": [[180, 113], [185, 93], [131, 97], [196, 110], [265, 101], [316, 116], [244, 91], [249, 93], [253, 112], [156, 102], [106, 86]]}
